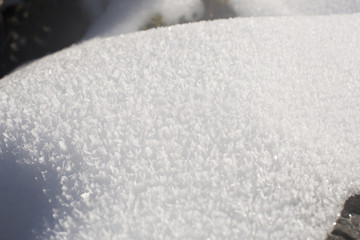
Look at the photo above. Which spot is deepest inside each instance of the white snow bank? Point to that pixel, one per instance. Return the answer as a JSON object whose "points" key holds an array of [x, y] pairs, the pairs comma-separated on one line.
{"points": [[294, 7], [234, 129], [131, 15]]}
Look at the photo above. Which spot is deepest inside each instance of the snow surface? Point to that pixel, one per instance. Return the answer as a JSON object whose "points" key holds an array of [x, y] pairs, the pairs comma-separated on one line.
{"points": [[231, 129]]}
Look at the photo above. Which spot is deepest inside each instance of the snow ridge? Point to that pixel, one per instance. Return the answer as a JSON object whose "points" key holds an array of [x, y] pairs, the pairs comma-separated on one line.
{"points": [[236, 129]]}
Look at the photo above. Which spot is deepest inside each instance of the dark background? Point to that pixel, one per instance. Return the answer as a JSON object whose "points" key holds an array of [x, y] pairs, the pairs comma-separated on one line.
{"points": [[34, 28]]}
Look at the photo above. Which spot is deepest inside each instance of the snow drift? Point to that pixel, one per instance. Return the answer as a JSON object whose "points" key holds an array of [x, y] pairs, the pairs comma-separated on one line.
{"points": [[233, 129]]}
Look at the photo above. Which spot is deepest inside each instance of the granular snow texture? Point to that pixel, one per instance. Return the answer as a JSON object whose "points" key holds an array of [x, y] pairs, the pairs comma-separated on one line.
{"points": [[232, 129]]}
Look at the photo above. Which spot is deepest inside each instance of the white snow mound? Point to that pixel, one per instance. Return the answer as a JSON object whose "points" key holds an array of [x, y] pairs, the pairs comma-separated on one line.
{"points": [[234, 129]]}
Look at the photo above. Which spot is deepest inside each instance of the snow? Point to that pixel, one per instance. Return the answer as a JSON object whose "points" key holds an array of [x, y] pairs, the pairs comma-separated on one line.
{"points": [[231, 129]]}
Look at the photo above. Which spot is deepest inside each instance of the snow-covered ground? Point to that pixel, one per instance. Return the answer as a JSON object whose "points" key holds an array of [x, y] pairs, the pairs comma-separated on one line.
{"points": [[245, 128]]}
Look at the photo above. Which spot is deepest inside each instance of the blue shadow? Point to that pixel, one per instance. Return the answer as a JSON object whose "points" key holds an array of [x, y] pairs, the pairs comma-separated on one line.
{"points": [[25, 208]]}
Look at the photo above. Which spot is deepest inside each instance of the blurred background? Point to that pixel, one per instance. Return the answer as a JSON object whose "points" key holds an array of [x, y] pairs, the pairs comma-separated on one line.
{"points": [[33, 28], [30, 29]]}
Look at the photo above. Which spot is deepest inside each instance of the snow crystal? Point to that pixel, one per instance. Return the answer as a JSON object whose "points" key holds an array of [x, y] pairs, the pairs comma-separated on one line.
{"points": [[232, 129]]}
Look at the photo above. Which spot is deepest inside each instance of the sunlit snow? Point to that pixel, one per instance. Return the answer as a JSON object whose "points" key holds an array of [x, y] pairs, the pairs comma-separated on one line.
{"points": [[234, 129]]}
